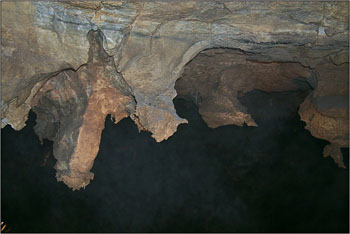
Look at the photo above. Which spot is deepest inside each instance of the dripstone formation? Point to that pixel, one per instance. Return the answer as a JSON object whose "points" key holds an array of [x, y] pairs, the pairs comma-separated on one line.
{"points": [[74, 63]]}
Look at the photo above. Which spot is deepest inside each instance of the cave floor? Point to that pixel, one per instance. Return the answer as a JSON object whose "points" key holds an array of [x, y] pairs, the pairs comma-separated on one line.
{"points": [[272, 178]]}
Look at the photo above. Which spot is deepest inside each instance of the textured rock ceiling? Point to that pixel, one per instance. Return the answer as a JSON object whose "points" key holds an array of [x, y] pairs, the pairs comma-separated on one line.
{"points": [[76, 62]]}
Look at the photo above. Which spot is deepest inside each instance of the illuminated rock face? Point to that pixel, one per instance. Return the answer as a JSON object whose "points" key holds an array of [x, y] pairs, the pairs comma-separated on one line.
{"points": [[326, 110], [72, 108], [76, 62], [217, 77]]}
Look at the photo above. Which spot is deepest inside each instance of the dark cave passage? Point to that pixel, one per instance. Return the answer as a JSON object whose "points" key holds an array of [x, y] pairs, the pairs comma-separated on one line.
{"points": [[160, 117], [270, 178]]}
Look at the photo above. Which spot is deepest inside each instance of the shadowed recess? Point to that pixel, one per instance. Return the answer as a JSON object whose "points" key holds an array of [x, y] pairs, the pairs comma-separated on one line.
{"points": [[270, 178]]}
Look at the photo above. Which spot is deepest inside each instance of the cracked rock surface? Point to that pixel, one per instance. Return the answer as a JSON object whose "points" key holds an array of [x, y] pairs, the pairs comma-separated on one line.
{"points": [[52, 63]]}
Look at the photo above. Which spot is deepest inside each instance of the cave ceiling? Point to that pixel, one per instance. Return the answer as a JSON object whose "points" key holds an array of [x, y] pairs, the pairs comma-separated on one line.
{"points": [[74, 63]]}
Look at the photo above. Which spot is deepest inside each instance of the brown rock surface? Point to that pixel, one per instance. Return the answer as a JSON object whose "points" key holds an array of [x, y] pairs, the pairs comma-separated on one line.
{"points": [[46, 53], [217, 77], [72, 108], [326, 110]]}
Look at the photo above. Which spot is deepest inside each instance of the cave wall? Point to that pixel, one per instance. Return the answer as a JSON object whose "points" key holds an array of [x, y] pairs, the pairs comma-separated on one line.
{"points": [[218, 77], [139, 51]]}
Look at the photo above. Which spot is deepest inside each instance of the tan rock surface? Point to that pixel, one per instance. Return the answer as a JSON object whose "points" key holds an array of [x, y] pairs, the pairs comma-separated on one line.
{"points": [[217, 77], [150, 43], [72, 108], [326, 110]]}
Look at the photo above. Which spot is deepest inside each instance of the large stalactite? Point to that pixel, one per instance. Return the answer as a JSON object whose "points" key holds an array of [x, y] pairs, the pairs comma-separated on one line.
{"points": [[72, 107], [74, 63]]}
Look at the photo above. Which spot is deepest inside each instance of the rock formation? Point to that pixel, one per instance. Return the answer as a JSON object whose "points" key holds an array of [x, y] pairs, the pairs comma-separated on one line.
{"points": [[74, 63], [72, 107], [217, 77], [326, 109]]}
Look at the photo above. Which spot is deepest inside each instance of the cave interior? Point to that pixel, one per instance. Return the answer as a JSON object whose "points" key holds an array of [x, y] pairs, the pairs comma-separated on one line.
{"points": [[265, 177], [166, 116]]}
